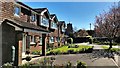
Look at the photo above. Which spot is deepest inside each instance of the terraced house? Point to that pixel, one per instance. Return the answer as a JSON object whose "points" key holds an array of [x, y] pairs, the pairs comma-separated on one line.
{"points": [[23, 27]]}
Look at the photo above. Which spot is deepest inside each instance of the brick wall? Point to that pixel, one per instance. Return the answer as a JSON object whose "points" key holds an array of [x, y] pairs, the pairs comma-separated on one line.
{"points": [[35, 48], [54, 34], [7, 10]]}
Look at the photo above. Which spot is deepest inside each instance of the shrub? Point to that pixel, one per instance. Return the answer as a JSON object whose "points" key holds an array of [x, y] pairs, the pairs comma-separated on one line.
{"points": [[57, 52], [28, 58], [81, 64], [69, 65], [52, 52], [37, 52], [76, 46], [27, 51], [70, 51], [7, 65], [52, 58]]}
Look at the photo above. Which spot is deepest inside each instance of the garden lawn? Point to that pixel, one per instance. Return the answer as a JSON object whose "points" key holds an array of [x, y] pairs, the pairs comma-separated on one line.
{"points": [[112, 49], [67, 49]]}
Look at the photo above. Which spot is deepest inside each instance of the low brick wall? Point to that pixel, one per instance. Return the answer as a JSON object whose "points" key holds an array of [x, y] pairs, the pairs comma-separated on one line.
{"points": [[35, 48]]}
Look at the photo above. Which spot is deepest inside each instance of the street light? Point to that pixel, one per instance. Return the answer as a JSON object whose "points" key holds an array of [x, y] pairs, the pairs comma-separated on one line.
{"points": [[90, 26]]}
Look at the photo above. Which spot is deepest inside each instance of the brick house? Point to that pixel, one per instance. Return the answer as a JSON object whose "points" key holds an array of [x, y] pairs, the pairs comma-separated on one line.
{"points": [[53, 36], [62, 27], [25, 28]]}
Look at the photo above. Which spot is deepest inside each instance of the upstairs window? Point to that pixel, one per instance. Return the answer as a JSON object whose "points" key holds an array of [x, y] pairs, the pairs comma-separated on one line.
{"points": [[33, 17], [17, 11], [45, 22], [53, 25]]}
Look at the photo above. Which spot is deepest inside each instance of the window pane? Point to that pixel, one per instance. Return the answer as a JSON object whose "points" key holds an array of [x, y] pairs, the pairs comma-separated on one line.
{"points": [[33, 17], [17, 10], [40, 40], [45, 22], [51, 40], [53, 25], [58, 39], [37, 39]]}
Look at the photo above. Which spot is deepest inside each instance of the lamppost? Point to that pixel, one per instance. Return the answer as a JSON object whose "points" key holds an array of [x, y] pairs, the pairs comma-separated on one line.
{"points": [[90, 26]]}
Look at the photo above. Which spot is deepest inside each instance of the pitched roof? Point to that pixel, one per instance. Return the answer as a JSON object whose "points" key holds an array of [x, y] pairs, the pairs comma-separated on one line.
{"points": [[39, 10], [62, 22], [24, 5], [52, 15]]}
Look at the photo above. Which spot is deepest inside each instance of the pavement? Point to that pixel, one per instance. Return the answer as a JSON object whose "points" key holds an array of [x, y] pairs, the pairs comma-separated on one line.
{"points": [[89, 58], [73, 58]]}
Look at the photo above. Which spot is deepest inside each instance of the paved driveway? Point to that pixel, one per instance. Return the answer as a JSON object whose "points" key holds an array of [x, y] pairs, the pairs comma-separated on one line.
{"points": [[96, 58], [73, 58]]}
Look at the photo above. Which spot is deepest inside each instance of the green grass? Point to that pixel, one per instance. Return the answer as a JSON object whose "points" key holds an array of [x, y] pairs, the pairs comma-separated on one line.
{"points": [[65, 49], [107, 43], [112, 49], [35, 52], [104, 47]]}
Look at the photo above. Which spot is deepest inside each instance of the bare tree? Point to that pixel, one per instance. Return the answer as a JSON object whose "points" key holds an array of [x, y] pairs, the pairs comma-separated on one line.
{"points": [[108, 24]]}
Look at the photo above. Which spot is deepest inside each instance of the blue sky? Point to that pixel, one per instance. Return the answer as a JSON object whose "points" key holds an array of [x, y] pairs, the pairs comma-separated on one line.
{"points": [[80, 14]]}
